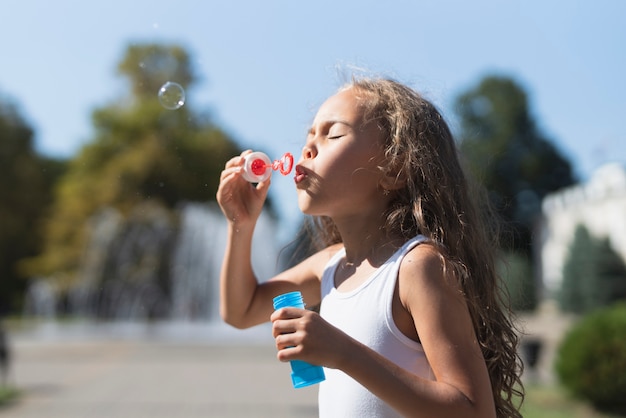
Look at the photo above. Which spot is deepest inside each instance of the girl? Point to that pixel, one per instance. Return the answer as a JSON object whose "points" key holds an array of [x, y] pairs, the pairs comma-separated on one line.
{"points": [[410, 322]]}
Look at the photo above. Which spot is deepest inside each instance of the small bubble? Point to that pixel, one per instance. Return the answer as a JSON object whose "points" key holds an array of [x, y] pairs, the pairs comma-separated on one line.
{"points": [[172, 95]]}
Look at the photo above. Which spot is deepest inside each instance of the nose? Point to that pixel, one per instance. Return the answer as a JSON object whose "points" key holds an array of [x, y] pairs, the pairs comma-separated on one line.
{"points": [[308, 152]]}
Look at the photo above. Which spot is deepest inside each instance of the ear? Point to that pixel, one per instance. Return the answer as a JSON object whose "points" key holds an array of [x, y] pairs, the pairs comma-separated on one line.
{"points": [[392, 182]]}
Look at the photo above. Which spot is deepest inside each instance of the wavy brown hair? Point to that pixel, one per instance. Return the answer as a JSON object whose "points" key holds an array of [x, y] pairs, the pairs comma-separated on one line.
{"points": [[439, 202]]}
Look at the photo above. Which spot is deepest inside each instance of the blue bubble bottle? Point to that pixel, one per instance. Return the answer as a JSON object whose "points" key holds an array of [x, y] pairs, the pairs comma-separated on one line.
{"points": [[302, 373]]}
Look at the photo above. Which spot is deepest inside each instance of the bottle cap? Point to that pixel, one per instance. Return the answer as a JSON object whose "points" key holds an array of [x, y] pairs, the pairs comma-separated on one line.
{"points": [[293, 299]]}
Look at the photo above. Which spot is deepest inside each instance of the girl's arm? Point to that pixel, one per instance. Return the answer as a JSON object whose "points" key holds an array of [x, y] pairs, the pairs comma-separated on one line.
{"points": [[439, 313], [243, 301], [241, 203]]}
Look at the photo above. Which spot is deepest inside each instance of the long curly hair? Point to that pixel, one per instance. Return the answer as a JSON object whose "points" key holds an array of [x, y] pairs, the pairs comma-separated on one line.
{"points": [[439, 202]]}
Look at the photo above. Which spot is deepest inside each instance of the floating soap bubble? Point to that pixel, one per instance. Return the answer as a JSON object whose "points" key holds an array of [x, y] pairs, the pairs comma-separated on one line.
{"points": [[172, 95]]}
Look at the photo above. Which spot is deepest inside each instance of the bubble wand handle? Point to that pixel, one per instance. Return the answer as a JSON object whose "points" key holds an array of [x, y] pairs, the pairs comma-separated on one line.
{"points": [[257, 166], [302, 373]]}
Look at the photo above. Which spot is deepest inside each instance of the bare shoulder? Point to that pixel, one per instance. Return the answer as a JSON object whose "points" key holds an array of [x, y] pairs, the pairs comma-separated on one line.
{"points": [[431, 293], [425, 266], [426, 282]]}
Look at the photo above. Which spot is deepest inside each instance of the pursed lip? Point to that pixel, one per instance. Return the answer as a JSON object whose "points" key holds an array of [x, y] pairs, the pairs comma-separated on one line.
{"points": [[300, 174]]}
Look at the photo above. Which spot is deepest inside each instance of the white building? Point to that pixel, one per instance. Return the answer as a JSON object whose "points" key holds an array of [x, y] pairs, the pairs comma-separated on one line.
{"points": [[599, 205]]}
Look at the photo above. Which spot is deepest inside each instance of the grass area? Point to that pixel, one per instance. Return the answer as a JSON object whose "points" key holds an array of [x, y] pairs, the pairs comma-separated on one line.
{"points": [[7, 395], [553, 402]]}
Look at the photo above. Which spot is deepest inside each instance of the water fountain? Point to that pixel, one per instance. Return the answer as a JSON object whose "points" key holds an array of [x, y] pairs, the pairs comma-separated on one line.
{"points": [[198, 258], [157, 271]]}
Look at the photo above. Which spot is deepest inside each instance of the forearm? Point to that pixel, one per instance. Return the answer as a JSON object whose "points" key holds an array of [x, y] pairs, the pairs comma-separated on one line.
{"points": [[238, 282], [241, 204], [409, 394]]}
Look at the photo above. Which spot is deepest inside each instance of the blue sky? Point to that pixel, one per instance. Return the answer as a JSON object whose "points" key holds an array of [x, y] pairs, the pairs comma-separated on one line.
{"points": [[265, 66]]}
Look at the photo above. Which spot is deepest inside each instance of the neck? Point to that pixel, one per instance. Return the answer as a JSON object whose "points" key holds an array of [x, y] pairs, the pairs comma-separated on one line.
{"points": [[366, 239]]}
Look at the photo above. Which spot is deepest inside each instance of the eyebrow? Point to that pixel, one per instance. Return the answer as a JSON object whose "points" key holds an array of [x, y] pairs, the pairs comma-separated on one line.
{"points": [[332, 122]]}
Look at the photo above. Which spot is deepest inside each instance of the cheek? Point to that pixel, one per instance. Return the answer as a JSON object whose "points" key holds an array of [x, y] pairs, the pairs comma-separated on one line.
{"points": [[366, 175], [349, 165], [357, 172]]}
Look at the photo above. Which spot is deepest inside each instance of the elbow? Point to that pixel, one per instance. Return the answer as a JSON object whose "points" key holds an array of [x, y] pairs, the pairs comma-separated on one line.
{"points": [[232, 320], [475, 408]]}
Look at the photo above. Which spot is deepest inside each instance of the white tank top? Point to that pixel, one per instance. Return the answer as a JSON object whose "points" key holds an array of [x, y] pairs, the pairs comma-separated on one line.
{"points": [[365, 314]]}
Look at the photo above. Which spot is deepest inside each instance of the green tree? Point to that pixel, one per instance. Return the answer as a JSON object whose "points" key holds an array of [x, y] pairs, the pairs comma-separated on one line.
{"points": [[591, 359], [149, 66], [576, 269], [506, 151], [594, 275], [26, 181], [516, 270], [140, 152]]}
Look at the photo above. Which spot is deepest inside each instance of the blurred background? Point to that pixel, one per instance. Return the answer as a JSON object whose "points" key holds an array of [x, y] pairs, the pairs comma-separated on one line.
{"points": [[116, 119]]}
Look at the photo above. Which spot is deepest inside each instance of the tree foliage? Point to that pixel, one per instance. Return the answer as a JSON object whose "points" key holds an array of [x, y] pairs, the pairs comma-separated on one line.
{"points": [[506, 151], [26, 180], [516, 270], [594, 275], [148, 67], [140, 152], [591, 359]]}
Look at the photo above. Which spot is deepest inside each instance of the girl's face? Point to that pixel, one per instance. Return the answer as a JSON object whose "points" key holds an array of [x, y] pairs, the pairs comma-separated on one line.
{"points": [[338, 174]]}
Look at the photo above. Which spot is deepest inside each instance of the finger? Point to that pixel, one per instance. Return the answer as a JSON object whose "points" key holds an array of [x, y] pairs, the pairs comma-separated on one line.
{"points": [[235, 161], [288, 340], [286, 313], [263, 187], [283, 326], [228, 172], [288, 353], [283, 341]]}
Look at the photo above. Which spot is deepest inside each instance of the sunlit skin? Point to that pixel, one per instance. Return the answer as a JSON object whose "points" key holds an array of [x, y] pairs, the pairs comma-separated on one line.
{"points": [[337, 176]]}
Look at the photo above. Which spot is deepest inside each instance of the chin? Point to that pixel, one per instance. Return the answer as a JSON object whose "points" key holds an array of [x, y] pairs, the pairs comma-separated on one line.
{"points": [[306, 209], [304, 201], [307, 206]]}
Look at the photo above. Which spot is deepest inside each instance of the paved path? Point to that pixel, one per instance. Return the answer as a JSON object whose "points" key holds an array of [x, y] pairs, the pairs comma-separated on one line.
{"points": [[177, 371], [99, 377]]}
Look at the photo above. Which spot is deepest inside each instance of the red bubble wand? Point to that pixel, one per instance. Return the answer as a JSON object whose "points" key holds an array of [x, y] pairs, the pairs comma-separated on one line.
{"points": [[257, 165]]}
